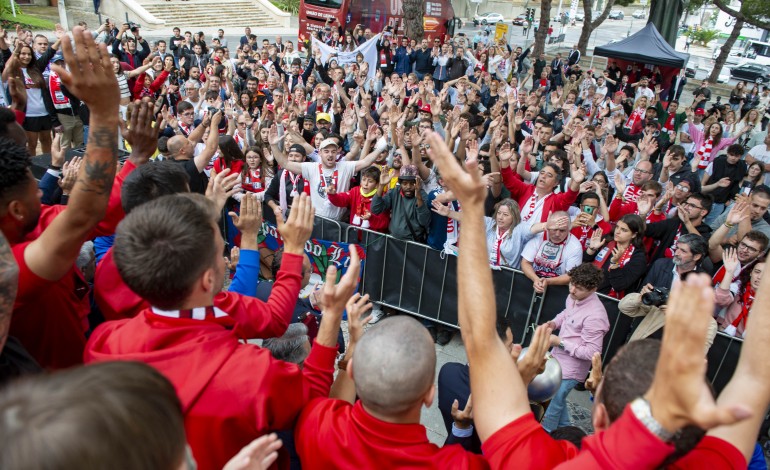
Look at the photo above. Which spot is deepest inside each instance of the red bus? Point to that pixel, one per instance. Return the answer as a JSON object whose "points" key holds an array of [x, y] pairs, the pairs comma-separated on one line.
{"points": [[439, 18]]}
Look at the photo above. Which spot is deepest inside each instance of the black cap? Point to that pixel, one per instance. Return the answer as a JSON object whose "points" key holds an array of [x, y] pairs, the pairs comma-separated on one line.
{"points": [[299, 149]]}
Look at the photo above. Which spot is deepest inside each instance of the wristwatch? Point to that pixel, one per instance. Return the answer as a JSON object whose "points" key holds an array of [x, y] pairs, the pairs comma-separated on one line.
{"points": [[561, 345], [641, 409]]}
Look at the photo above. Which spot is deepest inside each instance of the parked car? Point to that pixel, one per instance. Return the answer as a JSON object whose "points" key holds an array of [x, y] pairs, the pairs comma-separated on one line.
{"points": [[519, 20], [689, 72], [580, 16], [640, 14], [756, 73], [724, 75], [616, 15], [487, 18]]}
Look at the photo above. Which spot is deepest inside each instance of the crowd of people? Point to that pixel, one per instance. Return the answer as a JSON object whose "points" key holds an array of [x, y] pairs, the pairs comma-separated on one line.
{"points": [[580, 178]]}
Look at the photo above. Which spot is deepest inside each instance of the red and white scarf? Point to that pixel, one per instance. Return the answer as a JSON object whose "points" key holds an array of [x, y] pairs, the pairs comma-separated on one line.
{"points": [[60, 101], [636, 116], [605, 254], [253, 181], [704, 153]]}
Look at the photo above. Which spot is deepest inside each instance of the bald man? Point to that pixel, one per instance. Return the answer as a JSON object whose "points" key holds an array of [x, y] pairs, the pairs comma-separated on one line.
{"points": [[393, 368], [182, 150]]}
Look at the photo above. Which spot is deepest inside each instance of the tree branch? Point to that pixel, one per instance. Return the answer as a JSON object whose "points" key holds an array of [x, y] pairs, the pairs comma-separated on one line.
{"points": [[600, 19], [738, 15]]}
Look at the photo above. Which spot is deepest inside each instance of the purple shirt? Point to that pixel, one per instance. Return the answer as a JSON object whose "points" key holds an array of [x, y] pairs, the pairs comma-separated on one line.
{"points": [[582, 326]]}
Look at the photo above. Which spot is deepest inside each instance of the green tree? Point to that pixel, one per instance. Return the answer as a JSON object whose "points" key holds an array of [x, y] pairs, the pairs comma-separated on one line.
{"points": [[753, 12], [590, 23]]}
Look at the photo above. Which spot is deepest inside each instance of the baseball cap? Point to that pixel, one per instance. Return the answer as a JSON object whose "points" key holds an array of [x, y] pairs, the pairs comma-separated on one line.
{"points": [[328, 142], [408, 172], [308, 117], [323, 117], [700, 111], [270, 108], [299, 149], [425, 108]]}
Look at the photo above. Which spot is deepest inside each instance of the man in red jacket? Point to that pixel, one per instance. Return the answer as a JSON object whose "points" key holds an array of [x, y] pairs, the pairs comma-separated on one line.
{"points": [[52, 304], [169, 252], [538, 200]]}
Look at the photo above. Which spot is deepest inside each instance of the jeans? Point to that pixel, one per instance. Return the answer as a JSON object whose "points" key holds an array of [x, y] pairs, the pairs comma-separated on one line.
{"points": [[557, 415], [716, 210]]}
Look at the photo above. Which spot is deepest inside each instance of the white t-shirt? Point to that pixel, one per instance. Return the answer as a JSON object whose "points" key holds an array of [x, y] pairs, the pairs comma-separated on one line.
{"points": [[762, 153], [550, 260], [312, 173], [35, 103]]}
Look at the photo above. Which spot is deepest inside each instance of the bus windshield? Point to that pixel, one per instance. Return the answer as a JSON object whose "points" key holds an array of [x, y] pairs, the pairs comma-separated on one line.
{"points": [[325, 3]]}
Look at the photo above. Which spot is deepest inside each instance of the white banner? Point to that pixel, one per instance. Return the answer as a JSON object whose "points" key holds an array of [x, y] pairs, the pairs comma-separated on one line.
{"points": [[368, 49]]}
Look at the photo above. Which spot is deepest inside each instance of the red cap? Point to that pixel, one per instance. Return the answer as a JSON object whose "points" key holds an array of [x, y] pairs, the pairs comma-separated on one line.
{"points": [[425, 108], [270, 107], [700, 111]]}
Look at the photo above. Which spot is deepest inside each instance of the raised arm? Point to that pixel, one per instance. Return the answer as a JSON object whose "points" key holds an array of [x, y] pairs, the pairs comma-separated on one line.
{"points": [[280, 156], [212, 143], [499, 393], [91, 79]]}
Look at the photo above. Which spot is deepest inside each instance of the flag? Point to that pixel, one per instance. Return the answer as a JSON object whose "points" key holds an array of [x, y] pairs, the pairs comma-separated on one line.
{"points": [[368, 49]]}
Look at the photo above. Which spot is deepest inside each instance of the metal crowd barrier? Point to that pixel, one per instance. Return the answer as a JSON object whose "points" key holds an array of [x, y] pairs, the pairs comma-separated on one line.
{"points": [[416, 279]]}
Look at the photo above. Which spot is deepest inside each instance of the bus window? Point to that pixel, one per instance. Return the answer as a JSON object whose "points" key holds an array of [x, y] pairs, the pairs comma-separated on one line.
{"points": [[325, 3]]}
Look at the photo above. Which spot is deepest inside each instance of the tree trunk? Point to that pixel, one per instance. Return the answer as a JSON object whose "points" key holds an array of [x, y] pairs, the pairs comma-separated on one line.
{"points": [[725, 51], [414, 11], [542, 29], [590, 24]]}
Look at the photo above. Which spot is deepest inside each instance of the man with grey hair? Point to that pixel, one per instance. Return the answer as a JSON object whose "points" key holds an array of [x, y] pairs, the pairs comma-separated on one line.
{"points": [[293, 346], [649, 303]]}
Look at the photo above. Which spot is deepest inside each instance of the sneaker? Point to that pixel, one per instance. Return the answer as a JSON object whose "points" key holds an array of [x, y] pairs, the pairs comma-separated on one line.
{"points": [[444, 336], [376, 315], [580, 387]]}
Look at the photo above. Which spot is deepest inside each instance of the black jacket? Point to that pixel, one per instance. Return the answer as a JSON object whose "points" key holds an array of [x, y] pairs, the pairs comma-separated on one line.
{"points": [[665, 232]]}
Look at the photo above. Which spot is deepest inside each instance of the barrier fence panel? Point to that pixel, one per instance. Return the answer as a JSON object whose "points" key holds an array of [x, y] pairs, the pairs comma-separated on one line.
{"points": [[722, 359], [419, 280]]}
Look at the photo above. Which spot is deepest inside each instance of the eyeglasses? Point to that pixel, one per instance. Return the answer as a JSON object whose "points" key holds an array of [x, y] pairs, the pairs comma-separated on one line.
{"points": [[643, 171], [748, 248], [689, 204], [242, 124], [684, 189]]}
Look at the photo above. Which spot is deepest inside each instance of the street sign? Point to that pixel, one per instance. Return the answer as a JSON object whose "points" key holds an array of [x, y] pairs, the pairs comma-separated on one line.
{"points": [[501, 30]]}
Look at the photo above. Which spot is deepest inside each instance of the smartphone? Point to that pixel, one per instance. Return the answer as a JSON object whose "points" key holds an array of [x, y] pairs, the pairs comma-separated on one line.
{"points": [[746, 187], [589, 209]]}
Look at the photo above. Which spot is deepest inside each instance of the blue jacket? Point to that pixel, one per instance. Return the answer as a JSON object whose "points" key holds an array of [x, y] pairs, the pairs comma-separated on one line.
{"points": [[403, 61]]}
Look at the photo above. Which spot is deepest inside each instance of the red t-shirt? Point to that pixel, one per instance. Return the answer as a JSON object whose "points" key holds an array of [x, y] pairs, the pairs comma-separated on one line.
{"points": [[50, 317], [335, 434]]}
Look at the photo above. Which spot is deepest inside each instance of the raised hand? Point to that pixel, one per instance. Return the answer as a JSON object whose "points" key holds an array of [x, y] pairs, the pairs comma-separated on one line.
{"points": [[620, 183], [440, 209], [297, 228], [472, 149], [597, 240], [69, 174], [533, 362], [336, 295], [738, 212], [141, 134], [679, 395], [221, 186], [730, 260], [249, 220], [467, 186], [357, 306]]}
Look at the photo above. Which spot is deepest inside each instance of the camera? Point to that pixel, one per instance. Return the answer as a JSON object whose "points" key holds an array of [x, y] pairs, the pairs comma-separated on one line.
{"points": [[213, 110], [131, 25], [656, 297]]}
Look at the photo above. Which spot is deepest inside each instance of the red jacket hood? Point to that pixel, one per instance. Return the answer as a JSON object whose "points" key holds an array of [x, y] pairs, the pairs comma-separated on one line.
{"points": [[188, 352]]}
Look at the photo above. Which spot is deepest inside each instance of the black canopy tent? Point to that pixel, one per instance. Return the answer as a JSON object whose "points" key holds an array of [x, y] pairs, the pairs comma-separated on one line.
{"points": [[646, 46]]}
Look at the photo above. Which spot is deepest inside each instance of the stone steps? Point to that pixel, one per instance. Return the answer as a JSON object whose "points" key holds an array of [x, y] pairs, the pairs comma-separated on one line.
{"points": [[200, 14]]}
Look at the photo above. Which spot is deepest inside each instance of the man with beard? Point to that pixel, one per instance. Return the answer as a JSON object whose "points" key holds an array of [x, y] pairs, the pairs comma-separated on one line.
{"points": [[409, 213], [548, 260], [320, 176], [688, 257], [689, 220]]}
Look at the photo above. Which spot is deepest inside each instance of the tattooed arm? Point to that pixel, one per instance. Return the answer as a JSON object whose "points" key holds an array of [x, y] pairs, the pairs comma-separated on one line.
{"points": [[9, 279], [89, 77]]}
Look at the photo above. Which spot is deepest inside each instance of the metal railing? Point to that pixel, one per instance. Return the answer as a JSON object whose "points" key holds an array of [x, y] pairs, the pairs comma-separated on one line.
{"points": [[418, 280]]}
